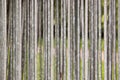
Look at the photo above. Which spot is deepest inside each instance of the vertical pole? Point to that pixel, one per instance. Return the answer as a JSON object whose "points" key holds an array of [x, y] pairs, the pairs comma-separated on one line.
{"points": [[86, 39], [52, 39], [83, 39], [118, 39], [105, 39], [3, 40], [91, 40], [69, 42], [99, 44], [95, 53]]}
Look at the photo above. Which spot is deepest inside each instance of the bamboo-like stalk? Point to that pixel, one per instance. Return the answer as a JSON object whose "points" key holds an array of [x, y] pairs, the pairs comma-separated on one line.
{"points": [[3, 40]]}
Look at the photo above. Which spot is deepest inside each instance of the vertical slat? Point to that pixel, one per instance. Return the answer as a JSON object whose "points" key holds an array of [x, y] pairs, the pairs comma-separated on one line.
{"points": [[86, 39], [17, 40], [114, 38], [49, 39], [83, 40], [95, 53], [64, 39], [118, 40], [3, 40], [14, 39], [109, 42], [91, 40], [24, 51], [69, 42], [105, 39], [57, 42], [99, 44], [73, 39], [77, 41], [32, 50], [40, 20], [28, 35], [11, 39], [45, 40], [52, 39], [35, 36]]}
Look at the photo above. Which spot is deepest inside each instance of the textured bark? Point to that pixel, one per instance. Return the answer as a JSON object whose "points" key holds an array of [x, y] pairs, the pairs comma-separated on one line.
{"points": [[3, 40]]}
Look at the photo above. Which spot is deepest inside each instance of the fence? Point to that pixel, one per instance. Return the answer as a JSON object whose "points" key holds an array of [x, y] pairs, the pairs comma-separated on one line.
{"points": [[59, 39]]}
